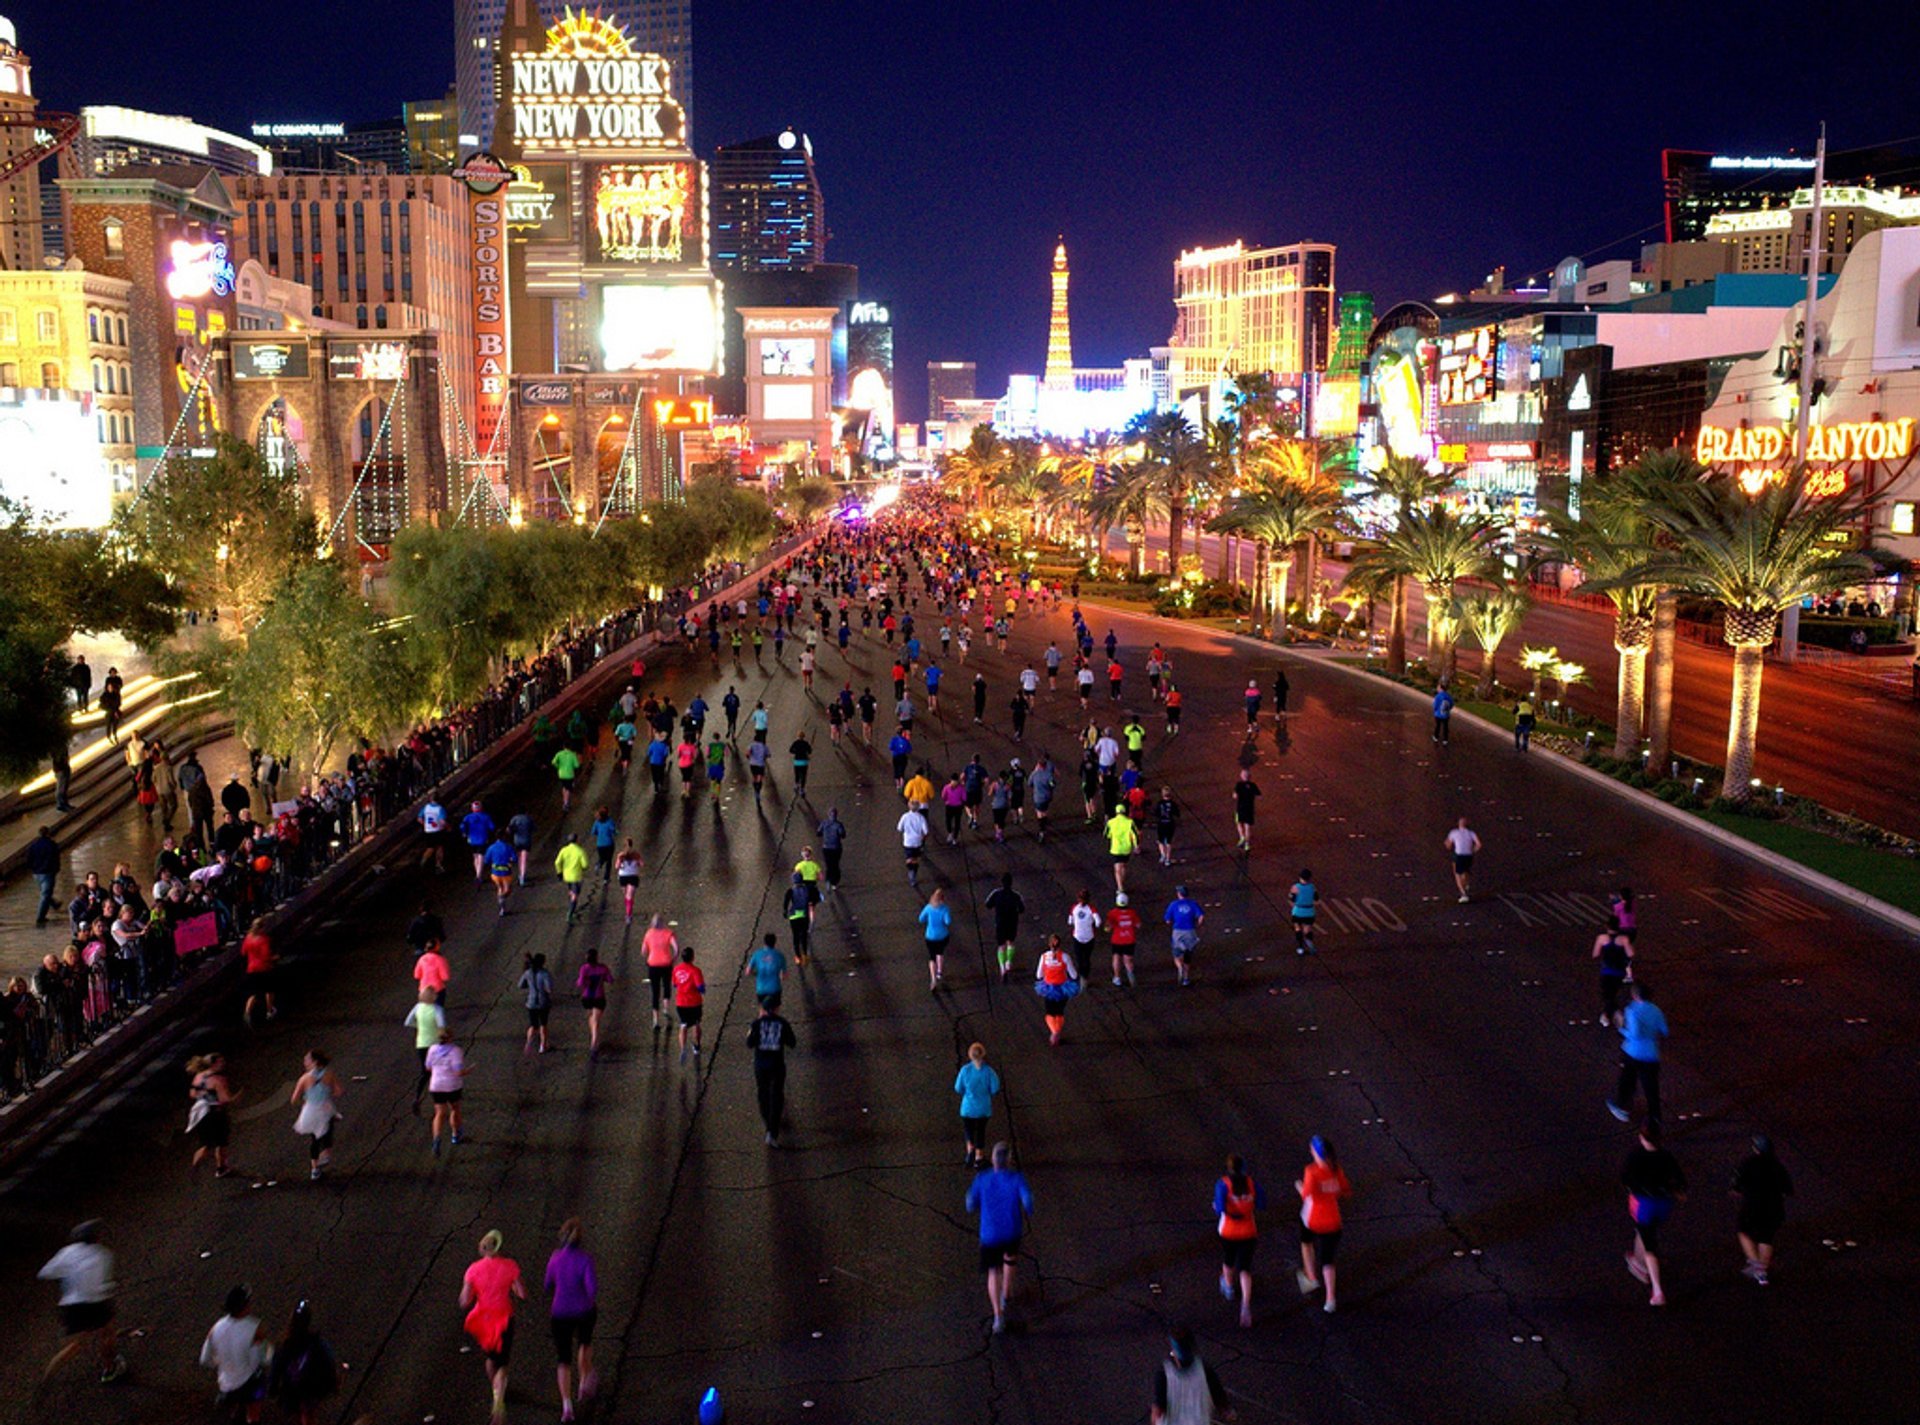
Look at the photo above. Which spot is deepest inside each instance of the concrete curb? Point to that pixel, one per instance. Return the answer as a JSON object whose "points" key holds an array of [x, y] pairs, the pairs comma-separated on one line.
{"points": [[1773, 860], [77, 1086]]}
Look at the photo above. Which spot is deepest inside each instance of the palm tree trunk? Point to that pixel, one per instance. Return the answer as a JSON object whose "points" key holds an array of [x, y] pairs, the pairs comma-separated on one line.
{"points": [[1277, 572], [1439, 640], [1226, 558], [1397, 628], [1137, 548], [1629, 704], [1483, 690], [1743, 722], [1314, 609], [1659, 679], [1176, 530], [1632, 637]]}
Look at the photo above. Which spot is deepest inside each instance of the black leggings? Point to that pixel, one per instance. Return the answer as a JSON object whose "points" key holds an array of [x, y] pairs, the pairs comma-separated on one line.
{"points": [[660, 982], [319, 1143]]}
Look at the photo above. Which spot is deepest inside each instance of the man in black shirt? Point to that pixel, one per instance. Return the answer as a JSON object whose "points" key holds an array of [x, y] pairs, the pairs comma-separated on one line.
{"points": [[1007, 906], [770, 1037], [43, 863], [1245, 792]]}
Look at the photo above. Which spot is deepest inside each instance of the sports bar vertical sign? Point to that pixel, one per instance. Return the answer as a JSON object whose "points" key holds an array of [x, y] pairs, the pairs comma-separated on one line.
{"points": [[486, 178]]}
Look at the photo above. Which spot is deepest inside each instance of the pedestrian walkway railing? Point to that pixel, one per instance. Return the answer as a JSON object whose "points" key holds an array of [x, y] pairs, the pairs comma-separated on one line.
{"points": [[63, 1009]]}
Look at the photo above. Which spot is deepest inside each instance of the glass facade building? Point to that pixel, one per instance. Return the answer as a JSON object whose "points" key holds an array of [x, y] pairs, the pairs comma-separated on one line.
{"points": [[768, 214]]}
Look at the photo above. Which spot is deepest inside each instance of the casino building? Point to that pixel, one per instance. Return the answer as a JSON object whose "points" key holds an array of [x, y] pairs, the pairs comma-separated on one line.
{"points": [[595, 312]]}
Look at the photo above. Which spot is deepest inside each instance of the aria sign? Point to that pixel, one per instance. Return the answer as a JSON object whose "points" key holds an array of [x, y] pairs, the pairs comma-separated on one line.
{"points": [[200, 269], [1849, 442], [590, 89]]}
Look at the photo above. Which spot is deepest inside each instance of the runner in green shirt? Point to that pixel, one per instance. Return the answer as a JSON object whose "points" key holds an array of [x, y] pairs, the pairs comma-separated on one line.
{"points": [[1136, 736], [566, 763]]}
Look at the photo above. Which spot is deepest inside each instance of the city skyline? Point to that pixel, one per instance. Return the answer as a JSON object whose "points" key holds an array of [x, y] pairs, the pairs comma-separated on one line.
{"points": [[1129, 187]]}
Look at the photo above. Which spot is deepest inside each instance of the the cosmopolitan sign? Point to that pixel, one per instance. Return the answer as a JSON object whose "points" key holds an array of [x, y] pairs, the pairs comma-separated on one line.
{"points": [[568, 102], [1844, 443]]}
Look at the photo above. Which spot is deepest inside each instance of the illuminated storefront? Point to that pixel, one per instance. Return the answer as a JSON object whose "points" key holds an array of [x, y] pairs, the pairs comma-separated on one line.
{"points": [[790, 377]]}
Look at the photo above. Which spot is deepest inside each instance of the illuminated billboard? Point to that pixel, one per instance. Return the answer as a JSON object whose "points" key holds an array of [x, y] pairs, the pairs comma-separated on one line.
{"points": [[657, 327], [367, 361], [787, 403], [1468, 363], [540, 202], [646, 212], [270, 360], [589, 88], [50, 458], [787, 356]]}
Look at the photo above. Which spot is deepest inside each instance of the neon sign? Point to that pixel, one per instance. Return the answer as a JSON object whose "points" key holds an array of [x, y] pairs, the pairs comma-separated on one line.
{"points": [[1849, 441], [200, 269], [590, 87]]}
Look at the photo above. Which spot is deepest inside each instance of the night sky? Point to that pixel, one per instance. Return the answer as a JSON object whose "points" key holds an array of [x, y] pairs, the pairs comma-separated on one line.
{"points": [[954, 140]]}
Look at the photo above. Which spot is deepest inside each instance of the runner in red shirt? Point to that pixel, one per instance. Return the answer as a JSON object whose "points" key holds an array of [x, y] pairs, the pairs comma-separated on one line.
{"points": [[1123, 924], [689, 998], [258, 952]]}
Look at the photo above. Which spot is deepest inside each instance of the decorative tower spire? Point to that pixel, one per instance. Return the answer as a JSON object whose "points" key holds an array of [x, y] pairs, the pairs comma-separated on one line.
{"points": [[1059, 340]]}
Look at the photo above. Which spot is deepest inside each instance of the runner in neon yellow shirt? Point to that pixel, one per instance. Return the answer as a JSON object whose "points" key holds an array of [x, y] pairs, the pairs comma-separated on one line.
{"points": [[1123, 839], [571, 864]]}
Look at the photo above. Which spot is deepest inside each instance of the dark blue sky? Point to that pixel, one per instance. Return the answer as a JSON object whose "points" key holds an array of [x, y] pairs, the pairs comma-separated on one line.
{"points": [[1431, 142]]}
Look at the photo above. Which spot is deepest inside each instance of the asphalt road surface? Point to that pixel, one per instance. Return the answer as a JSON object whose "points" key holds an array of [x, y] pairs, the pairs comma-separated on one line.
{"points": [[1833, 739], [1450, 1051]]}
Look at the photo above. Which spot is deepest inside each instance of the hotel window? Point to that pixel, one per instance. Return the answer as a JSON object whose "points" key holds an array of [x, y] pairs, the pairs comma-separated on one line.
{"points": [[1902, 521], [9, 326], [9, 373], [47, 325], [93, 326], [96, 376], [50, 375], [114, 234]]}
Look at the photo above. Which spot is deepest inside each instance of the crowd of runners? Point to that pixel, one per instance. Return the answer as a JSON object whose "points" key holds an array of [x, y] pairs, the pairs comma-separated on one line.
{"points": [[919, 595]]}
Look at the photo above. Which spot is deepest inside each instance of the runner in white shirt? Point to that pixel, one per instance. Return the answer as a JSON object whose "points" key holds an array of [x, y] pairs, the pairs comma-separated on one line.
{"points": [[913, 835], [1029, 681], [1463, 844], [1107, 750], [1084, 920]]}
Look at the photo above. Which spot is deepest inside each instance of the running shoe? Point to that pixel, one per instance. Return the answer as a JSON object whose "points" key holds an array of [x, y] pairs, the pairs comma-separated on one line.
{"points": [[1617, 1111]]}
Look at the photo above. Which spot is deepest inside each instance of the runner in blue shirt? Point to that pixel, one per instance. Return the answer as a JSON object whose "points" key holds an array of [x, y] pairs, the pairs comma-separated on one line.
{"points": [[769, 969], [1442, 714], [899, 748], [605, 831], [500, 859], [1005, 1202], [933, 687], [478, 827], [936, 920], [1306, 898], [1186, 917]]}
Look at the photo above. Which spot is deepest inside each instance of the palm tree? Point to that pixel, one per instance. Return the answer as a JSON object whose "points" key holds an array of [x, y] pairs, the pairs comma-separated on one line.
{"points": [[1277, 518], [1489, 616], [1178, 459], [1134, 497], [1405, 480], [969, 474], [1023, 484], [1756, 555], [1252, 409], [1608, 543], [1438, 546], [1307, 462], [1655, 478]]}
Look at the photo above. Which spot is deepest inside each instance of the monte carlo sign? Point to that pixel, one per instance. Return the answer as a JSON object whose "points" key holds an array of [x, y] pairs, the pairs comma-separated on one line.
{"points": [[589, 89]]}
